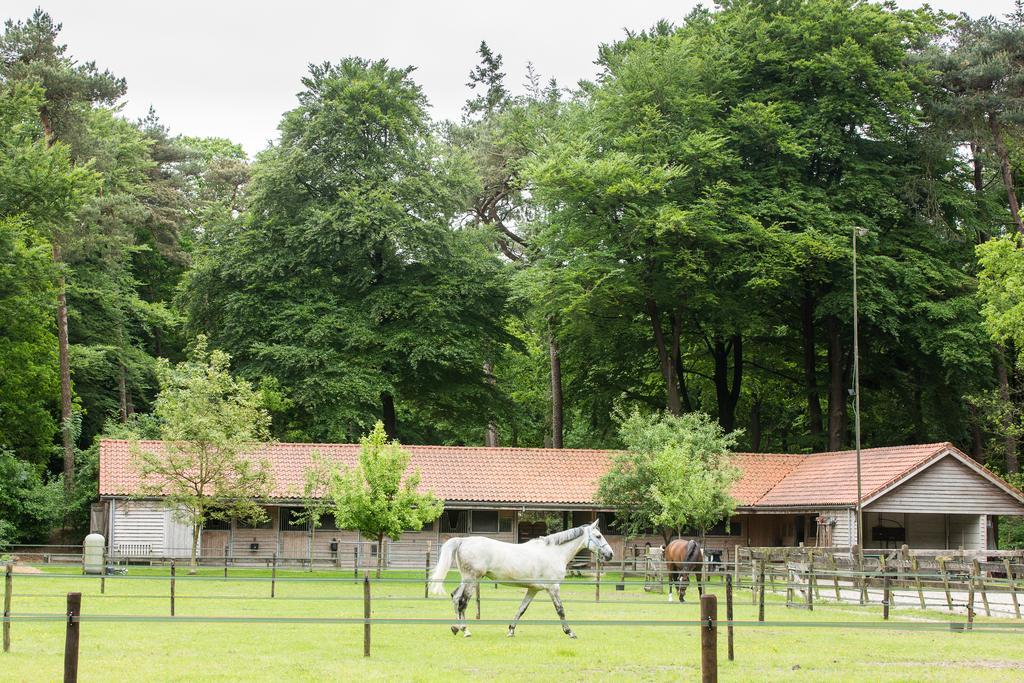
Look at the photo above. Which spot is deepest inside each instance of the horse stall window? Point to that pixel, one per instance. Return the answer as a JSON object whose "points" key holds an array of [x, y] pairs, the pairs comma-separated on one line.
{"points": [[454, 521], [484, 521], [735, 528], [505, 518], [290, 519], [267, 523], [581, 517], [217, 525], [607, 523]]}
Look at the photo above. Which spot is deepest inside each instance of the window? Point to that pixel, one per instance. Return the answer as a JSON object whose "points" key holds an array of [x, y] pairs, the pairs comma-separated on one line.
{"points": [[581, 517], [454, 521], [505, 518], [267, 524], [484, 521], [608, 524], [217, 525], [289, 521], [735, 528]]}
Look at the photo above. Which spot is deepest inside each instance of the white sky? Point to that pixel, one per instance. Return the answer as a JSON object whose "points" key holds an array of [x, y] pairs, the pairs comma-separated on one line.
{"points": [[231, 68]]}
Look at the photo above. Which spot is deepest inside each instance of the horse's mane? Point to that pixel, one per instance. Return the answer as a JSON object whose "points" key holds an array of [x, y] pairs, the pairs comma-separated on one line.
{"points": [[560, 537]]}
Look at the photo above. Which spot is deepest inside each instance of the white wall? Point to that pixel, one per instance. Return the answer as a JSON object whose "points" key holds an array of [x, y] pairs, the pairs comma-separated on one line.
{"points": [[148, 527]]}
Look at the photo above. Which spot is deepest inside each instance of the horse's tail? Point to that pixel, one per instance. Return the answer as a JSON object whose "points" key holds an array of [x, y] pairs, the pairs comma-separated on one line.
{"points": [[444, 563]]}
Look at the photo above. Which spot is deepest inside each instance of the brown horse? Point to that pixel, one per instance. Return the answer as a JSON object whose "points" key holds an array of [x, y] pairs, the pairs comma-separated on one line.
{"points": [[684, 558]]}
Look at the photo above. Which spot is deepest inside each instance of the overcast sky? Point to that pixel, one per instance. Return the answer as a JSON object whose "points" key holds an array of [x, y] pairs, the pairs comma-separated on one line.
{"points": [[232, 68]]}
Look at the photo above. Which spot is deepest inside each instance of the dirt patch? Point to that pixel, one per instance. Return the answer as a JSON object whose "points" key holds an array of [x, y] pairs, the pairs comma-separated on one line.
{"points": [[26, 569]]}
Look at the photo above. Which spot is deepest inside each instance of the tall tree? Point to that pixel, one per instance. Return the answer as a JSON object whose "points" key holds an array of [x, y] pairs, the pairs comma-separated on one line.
{"points": [[348, 283], [29, 52]]}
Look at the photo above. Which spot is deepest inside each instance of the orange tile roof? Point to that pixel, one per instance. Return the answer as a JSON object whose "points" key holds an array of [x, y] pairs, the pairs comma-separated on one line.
{"points": [[568, 476], [831, 478], [457, 473]]}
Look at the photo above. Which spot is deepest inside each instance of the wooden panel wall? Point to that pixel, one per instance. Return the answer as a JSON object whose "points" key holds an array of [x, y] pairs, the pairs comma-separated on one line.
{"points": [[948, 486]]}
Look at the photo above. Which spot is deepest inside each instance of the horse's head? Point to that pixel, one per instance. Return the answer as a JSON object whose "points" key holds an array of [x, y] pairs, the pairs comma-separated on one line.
{"points": [[597, 543]]}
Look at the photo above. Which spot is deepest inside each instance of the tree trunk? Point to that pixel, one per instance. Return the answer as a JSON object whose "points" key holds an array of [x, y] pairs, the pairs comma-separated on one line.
{"points": [[728, 392], [1004, 164], [491, 435], [66, 428], [1009, 440], [196, 527], [672, 402], [557, 425], [677, 359], [979, 188], [755, 426], [380, 553], [388, 414], [810, 369], [122, 393], [836, 385]]}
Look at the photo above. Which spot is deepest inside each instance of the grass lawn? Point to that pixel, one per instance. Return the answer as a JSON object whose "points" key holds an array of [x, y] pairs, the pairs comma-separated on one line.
{"points": [[187, 651]]}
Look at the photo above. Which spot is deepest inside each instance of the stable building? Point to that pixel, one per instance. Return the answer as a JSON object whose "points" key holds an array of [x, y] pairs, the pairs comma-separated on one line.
{"points": [[926, 496]]}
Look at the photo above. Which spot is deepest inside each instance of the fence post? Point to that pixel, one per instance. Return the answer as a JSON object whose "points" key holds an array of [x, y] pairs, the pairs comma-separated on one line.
{"points": [[916, 568], [1013, 587], [811, 584], [355, 560], [273, 577], [728, 611], [760, 596], [7, 580], [834, 566], [862, 578], [814, 582], [597, 583], [883, 566], [172, 588], [366, 614], [103, 571], [708, 638], [970, 605], [71, 638], [225, 564], [426, 573], [981, 584], [886, 596], [945, 582]]}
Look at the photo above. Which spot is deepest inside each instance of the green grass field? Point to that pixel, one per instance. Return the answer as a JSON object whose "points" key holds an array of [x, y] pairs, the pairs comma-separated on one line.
{"points": [[188, 651]]}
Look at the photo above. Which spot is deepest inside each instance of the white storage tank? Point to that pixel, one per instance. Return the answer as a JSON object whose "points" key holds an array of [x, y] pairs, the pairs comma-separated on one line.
{"points": [[92, 558]]}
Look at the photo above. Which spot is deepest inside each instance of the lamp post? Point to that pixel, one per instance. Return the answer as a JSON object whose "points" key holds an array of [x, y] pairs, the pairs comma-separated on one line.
{"points": [[857, 232]]}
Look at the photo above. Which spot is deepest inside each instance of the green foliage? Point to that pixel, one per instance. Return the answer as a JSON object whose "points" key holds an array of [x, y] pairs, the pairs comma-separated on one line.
{"points": [[30, 503], [1011, 527], [674, 475], [379, 497], [347, 284], [209, 421], [1001, 289]]}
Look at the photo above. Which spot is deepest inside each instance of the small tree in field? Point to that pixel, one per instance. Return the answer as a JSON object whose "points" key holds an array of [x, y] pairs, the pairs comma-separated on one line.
{"points": [[207, 420], [378, 498], [675, 474], [316, 500]]}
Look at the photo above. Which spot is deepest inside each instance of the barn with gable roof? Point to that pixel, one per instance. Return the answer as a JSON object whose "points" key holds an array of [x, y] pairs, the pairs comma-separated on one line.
{"points": [[926, 496]]}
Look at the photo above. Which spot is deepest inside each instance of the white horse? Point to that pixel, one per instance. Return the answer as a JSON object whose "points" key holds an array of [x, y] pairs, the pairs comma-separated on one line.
{"points": [[538, 564]]}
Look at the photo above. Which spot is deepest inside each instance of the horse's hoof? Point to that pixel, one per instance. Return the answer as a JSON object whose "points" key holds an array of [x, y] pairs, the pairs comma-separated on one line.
{"points": [[455, 630], [571, 635], [466, 634], [511, 632]]}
